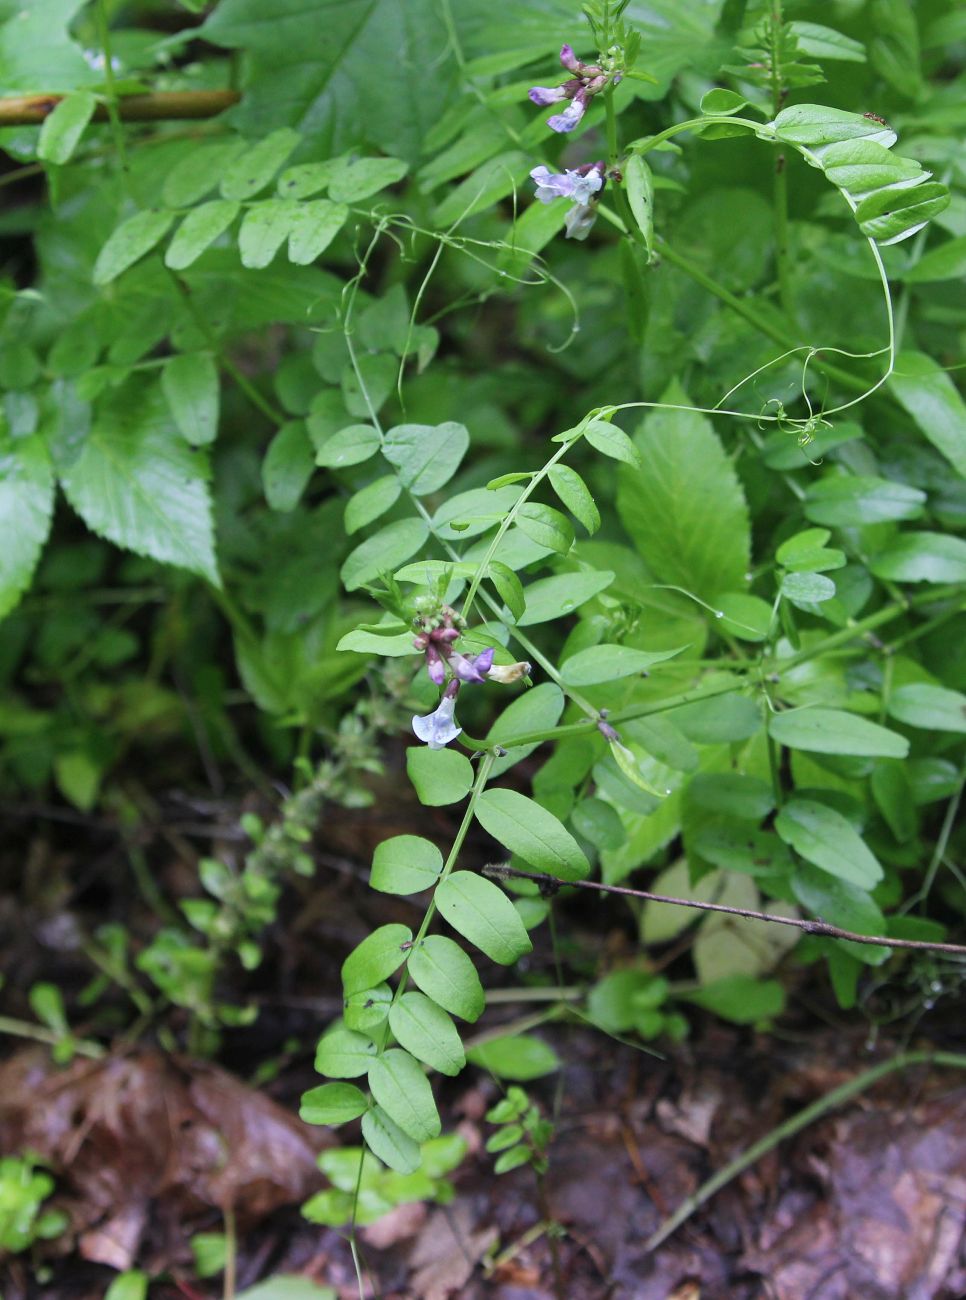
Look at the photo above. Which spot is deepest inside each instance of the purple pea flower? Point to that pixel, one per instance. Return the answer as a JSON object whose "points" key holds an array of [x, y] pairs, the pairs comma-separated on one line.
{"points": [[579, 221], [544, 95], [570, 117], [435, 665], [472, 668], [570, 60], [438, 728], [579, 185]]}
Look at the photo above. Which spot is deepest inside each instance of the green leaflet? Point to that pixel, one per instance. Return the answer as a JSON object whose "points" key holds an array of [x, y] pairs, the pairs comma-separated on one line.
{"points": [[482, 913]]}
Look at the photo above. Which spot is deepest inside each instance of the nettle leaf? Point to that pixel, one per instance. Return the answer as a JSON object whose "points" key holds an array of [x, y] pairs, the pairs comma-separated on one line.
{"points": [[482, 913], [332, 1103], [446, 974], [932, 399], [933, 708], [427, 456], [574, 493], [365, 80], [344, 1054], [922, 557], [26, 510], [402, 1090], [405, 864], [546, 526], [425, 1030], [384, 552], [190, 385], [848, 502], [376, 957], [129, 243], [439, 776], [389, 1143], [554, 597], [607, 663], [834, 731], [63, 128], [825, 838], [252, 170], [199, 230], [685, 509], [138, 484], [536, 835]]}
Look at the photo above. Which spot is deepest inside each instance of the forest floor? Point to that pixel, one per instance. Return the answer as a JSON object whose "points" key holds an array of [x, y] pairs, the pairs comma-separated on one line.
{"points": [[149, 1146]]}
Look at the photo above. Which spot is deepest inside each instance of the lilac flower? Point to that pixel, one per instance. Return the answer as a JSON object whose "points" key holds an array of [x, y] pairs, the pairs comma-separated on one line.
{"points": [[569, 118], [570, 185], [435, 665], [438, 728], [544, 95], [569, 59], [472, 668]]}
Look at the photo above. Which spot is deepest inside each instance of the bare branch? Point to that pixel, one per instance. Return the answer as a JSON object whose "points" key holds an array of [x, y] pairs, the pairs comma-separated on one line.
{"points": [[32, 110]]}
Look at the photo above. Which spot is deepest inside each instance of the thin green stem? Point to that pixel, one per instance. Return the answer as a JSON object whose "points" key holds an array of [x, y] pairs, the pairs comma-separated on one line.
{"points": [[114, 117], [25, 1029], [837, 1097], [780, 196]]}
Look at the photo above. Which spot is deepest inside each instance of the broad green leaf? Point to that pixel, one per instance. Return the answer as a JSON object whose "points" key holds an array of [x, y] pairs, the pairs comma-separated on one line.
{"points": [[734, 846], [332, 1103], [608, 663], [367, 1009], [439, 776], [37, 50], [722, 101], [539, 709], [520, 1057], [825, 838], [546, 526], [264, 229], [63, 128], [531, 832], [288, 466], [343, 1054], [895, 797], [405, 864], [350, 446], [445, 973], [684, 508], [947, 261], [199, 230], [889, 216], [929, 395], [933, 708], [731, 794], [922, 557], [834, 731], [425, 1030], [806, 552], [842, 904], [561, 594], [190, 385], [249, 173], [599, 823], [815, 126], [138, 484], [574, 493], [389, 1143], [377, 956], [741, 999], [640, 195], [26, 509], [402, 1090], [611, 441], [746, 617], [363, 177], [370, 502], [384, 552], [129, 243], [393, 645], [807, 588], [847, 502], [427, 456], [482, 913], [198, 171], [719, 720], [469, 513], [864, 166], [313, 226]]}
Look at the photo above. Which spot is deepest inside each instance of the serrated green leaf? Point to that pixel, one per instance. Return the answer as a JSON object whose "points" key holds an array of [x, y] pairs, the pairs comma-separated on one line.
{"points": [[825, 838], [439, 776], [377, 957], [427, 456], [199, 230], [129, 243], [26, 510], [445, 973], [834, 731], [332, 1103], [531, 832], [405, 864], [190, 385], [139, 485], [384, 552], [402, 1090], [425, 1030], [482, 913]]}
